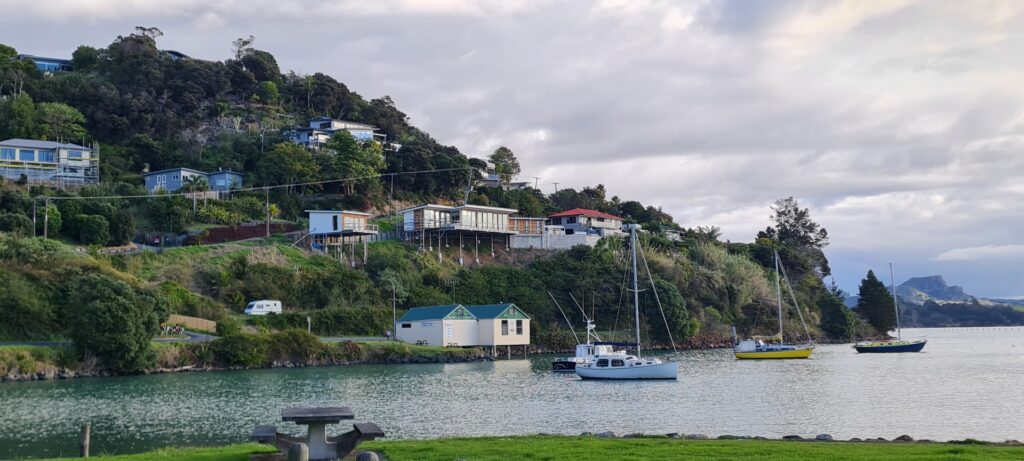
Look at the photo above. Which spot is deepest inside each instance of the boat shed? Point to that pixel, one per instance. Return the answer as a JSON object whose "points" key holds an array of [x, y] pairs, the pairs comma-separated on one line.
{"points": [[451, 325], [488, 325]]}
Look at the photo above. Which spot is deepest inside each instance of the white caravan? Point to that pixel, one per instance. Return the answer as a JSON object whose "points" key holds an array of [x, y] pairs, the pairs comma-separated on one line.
{"points": [[263, 307]]}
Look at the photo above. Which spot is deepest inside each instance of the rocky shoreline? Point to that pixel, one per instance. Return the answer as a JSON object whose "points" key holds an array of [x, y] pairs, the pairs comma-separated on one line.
{"points": [[57, 374]]}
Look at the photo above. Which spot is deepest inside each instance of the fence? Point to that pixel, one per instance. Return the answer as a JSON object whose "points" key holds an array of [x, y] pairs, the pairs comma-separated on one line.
{"points": [[552, 241], [192, 323]]}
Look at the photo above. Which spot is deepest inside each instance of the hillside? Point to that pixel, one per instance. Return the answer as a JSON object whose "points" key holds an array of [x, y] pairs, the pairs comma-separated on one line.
{"points": [[233, 114]]}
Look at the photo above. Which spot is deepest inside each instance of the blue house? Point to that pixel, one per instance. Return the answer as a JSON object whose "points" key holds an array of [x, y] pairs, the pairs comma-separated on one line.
{"points": [[48, 64], [172, 180]]}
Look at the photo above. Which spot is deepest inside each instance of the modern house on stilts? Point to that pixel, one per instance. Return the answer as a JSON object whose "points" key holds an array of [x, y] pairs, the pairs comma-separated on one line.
{"points": [[440, 226], [339, 233]]}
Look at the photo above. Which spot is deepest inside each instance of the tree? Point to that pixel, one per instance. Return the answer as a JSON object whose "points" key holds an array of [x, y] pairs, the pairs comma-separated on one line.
{"points": [[16, 223], [268, 93], [286, 163], [506, 166], [241, 47], [793, 225], [60, 122], [17, 117], [875, 304], [113, 321], [360, 161], [85, 58], [836, 319], [92, 229]]}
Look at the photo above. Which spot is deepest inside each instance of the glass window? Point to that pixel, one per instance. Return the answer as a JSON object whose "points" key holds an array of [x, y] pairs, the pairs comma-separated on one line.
{"points": [[175, 177], [504, 327], [75, 154], [334, 222], [6, 153], [602, 362], [519, 327], [46, 156], [618, 363], [406, 325], [26, 155]]}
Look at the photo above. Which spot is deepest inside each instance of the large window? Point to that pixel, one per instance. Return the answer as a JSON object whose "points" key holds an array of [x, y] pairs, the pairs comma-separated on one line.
{"points": [[46, 156], [519, 327], [26, 155], [602, 362], [75, 155], [334, 222], [6, 153], [618, 363], [504, 327]]}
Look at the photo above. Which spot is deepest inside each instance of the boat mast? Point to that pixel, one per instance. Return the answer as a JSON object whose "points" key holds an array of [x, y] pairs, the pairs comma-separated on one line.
{"points": [[895, 303], [778, 292], [636, 288]]}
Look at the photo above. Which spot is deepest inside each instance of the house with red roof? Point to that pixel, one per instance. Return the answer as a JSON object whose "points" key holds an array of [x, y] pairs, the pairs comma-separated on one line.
{"points": [[584, 221]]}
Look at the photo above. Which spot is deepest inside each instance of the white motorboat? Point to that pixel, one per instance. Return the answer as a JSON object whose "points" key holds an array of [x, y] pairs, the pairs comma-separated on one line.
{"points": [[622, 365]]}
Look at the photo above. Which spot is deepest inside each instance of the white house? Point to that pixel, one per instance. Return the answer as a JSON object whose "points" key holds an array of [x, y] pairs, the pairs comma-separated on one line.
{"points": [[320, 130], [59, 164], [474, 218], [489, 325], [582, 220], [332, 231]]}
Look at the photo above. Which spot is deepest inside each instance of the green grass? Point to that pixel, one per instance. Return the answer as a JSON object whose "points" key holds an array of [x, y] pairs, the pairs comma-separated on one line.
{"points": [[642, 449], [228, 453], [652, 449]]}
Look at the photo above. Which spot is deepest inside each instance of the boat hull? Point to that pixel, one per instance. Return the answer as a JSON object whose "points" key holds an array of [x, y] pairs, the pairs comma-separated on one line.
{"points": [[802, 353], [890, 347], [665, 370], [563, 366]]}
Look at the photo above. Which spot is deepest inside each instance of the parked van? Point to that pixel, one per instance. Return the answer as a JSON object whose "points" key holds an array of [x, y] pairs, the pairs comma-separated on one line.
{"points": [[263, 307]]}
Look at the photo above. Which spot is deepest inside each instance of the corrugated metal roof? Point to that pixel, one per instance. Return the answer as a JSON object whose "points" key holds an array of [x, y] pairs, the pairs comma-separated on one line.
{"points": [[417, 314], [490, 311], [37, 144]]}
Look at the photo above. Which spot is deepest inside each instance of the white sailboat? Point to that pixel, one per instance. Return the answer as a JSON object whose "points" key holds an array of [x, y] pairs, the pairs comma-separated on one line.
{"points": [[621, 365]]}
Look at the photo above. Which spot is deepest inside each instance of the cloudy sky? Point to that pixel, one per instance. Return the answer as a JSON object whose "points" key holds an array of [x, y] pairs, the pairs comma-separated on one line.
{"points": [[899, 123]]}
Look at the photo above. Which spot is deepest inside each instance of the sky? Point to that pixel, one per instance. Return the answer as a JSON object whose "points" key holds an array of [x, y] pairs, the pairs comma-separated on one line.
{"points": [[899, 123]]}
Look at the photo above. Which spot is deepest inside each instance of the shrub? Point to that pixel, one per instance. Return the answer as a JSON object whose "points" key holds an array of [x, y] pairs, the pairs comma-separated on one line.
{"points": [[92, 229], [114, 321], [295, 345], [228, 326], [240, 349], [16, 223]]}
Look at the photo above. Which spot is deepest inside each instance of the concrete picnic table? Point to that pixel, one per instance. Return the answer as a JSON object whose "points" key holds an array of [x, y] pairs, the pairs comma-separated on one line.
{"points": [[321, 447]]}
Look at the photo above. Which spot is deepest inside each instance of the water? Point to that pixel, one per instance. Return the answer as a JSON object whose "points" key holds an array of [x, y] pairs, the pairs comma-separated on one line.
{"points": [[965, 384]]}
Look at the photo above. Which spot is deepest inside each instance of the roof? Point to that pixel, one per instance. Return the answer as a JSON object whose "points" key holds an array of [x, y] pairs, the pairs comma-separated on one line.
{"points": [[487, 208], [37, 144], [527, 218], [585, 212], [175, 169], [43, 58], [429, 205], [352, 125], [428, 313], [212, 173], [338, 211], [492, 311]]}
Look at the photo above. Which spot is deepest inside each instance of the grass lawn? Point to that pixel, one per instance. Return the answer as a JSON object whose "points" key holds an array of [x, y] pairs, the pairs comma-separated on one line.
{"points": [[643, 449], [649, 449]]}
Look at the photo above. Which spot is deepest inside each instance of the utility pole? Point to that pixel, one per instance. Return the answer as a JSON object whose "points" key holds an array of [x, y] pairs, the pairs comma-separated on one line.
{"points": [[267, 190], [46, 220], [556, 188], [394, 310], [536, 182], [34, 201]]}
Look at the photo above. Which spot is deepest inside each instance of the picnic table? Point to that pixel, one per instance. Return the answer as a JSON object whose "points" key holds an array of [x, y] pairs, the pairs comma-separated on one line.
{"points": [[321, 447]]}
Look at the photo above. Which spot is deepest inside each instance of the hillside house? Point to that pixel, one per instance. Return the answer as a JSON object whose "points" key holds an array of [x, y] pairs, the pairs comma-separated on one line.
{"points": [[173, 179], [319, 130], [582, 220], [523, 225], [48, 65], [49, 162], [455, 325], [331, 230]]}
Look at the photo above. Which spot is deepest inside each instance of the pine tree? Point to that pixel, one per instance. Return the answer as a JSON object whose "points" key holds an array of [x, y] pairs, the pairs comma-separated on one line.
{"points": [[875, 304]]}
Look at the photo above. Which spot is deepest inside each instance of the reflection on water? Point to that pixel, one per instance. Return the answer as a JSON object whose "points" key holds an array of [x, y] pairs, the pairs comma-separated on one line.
{"points": [[965, 384]]}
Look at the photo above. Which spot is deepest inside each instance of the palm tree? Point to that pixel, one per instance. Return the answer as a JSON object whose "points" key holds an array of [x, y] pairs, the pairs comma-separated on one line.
{"points": [[193, 184]]}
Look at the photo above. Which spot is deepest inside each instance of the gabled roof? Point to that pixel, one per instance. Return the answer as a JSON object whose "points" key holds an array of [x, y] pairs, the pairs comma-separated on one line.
{"points": [[175, 169], [492, 311], [584, 212], [37, 144], [487, 208], [429, 205], [417, 314], [361, 213], [212, 173]]}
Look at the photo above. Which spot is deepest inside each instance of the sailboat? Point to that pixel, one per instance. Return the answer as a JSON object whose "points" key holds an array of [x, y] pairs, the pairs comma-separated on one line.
{"points": [[585, 352], [891, 346], [774, 347], [621, 365]]}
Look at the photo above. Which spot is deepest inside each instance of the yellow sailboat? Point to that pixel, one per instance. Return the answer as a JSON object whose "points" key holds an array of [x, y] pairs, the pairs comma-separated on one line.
{"points": [[774, 347]]}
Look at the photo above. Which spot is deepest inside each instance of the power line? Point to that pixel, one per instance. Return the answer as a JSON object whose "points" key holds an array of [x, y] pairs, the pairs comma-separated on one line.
{"points": [[251, 189]]}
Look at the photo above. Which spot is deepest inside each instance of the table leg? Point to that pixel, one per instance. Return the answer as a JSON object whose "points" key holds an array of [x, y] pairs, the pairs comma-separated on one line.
{"points": [[319, 448]]}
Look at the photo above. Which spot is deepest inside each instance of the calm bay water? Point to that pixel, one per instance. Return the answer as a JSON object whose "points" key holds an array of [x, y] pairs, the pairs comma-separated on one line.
{"points": [[967, 383]]}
